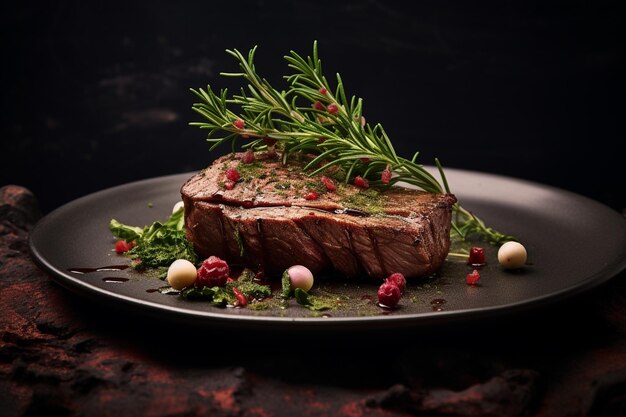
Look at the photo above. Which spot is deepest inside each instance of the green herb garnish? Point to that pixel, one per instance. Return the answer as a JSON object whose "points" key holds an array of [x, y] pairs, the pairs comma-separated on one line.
{"points": [[311, 117], [157, 245], [369, 201], [313, 303], [222, 296], [286, 285]]}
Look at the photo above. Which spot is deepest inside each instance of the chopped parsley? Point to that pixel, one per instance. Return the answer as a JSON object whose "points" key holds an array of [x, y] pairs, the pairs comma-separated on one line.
{"points": [[157, 245], [369, 201]]}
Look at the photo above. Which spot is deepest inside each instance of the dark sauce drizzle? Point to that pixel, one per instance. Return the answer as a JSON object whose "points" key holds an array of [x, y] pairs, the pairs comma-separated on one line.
{"points": [[99, 269]]}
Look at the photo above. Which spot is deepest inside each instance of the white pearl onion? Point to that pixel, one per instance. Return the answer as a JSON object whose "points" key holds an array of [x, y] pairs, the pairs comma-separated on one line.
{"points": [[177, 206], [512, 255], [300, 277], [181, 274]]}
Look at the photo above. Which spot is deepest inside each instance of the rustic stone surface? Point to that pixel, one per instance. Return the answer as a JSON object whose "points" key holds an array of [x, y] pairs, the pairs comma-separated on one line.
{"points": [[62, 356]]}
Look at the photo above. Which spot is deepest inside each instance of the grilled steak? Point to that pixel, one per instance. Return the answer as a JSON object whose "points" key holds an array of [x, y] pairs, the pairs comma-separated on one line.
{"points": [[266, 221]]}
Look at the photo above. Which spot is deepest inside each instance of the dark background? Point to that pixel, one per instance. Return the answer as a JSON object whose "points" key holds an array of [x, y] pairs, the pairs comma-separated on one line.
{"points": [[97, 94]]}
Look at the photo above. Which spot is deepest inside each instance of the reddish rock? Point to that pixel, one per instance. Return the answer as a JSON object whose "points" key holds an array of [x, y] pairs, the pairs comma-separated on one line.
{"points": [[61, 355]]}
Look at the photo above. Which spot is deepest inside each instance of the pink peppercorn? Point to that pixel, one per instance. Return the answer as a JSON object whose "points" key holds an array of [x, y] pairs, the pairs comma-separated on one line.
{"points": [[389, 295], [318, 105], [248, 157], [323, 91], [311, 196], [122, 246], [385, 177], [472, 279], [398, 280], [229, 185], [242, 301], [361, 182], [239, 124], [269, 141], [332, 108], [212, 273], [328, 183], [232, 174], [476, 256]]}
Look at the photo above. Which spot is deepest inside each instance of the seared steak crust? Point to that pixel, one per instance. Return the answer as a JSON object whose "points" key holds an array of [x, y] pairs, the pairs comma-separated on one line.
{"points": [[266, 222]]}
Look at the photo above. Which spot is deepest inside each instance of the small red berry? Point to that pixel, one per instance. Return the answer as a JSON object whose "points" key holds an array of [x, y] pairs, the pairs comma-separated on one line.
{"points": [[248, 157], [242, 301], [389, 295], [239, 124], [398, 280], [332, 108], [385, 177], [318, 105], [323, 91], [232, 174], [328, 183], [361, 182], [122, 246], [476, 256], [472, 279], [212, 273], [229, 185], [269, 141], [312, 195]]}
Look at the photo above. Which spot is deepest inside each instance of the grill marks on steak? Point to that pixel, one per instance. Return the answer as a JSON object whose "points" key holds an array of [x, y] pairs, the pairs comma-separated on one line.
{"points": [[266, 222]]}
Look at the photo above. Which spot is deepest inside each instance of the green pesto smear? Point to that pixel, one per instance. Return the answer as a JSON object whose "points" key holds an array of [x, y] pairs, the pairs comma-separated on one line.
{"points": [[367, 200], [370, 201]]}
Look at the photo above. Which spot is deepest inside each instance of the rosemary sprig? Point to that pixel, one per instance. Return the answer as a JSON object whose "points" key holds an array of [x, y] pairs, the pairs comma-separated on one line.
{"points": [[313, 118]]}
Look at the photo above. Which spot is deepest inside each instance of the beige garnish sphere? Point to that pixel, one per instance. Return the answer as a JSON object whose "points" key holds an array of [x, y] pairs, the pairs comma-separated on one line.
{"points": [[512, 255], [300, 277], [181, 274], [177, 206]]}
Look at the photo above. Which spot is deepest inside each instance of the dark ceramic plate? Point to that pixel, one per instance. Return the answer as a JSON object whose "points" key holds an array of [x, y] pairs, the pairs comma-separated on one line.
{"points": [[574, 244]]}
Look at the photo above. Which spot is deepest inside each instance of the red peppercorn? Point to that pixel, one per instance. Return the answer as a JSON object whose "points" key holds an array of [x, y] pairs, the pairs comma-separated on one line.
{"points": [[232, 174], [398, 280], [212, 273], [122, 246], [385, 176], [476, 256], [361, 182], [242, 301], [472, 279], [318, 105], [229, 185], [239, 124], [312, 195], [323, 91], [269, 141], [389, 295], [248, 157], [328, 183], [332, 108]]}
